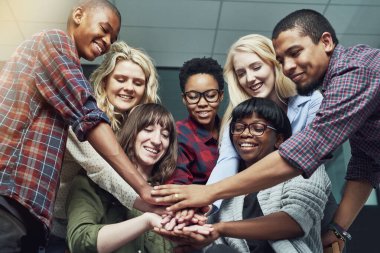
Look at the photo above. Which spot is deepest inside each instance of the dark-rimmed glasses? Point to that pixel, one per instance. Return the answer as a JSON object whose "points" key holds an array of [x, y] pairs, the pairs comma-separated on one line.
{"points": [[193, 97], [255, 129]]}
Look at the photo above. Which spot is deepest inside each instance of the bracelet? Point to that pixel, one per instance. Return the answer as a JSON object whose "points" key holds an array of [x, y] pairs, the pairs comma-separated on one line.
{"points": [[339, 232]]}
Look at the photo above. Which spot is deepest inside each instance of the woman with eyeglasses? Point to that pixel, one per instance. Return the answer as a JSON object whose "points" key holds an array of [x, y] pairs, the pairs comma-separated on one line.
{"points": [[283, 218], [201, 82]]}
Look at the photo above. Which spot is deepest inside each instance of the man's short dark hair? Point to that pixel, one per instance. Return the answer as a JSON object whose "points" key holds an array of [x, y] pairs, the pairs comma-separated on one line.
{"points": [[201, 66], [310, 23], [100, 4]]}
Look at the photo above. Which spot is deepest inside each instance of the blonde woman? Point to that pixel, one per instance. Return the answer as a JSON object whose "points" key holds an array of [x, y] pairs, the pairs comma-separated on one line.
{"points": [[251, 70], [126, 78]]}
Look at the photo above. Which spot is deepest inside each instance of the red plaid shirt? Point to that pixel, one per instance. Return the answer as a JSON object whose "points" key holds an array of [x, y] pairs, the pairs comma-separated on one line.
{"points": [[197, 154], [350, 110], [42, 92]]}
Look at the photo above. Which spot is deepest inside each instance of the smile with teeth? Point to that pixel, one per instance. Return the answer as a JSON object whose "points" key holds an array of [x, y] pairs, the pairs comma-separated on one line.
{"points": [[126, 96], [152, 150], [247, 144], [100, 50], [256, 86], [203, 113]]}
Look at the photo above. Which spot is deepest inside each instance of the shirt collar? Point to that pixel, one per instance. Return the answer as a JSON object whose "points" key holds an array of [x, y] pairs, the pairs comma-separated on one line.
{"points": [[201, 132], [338, 50]]}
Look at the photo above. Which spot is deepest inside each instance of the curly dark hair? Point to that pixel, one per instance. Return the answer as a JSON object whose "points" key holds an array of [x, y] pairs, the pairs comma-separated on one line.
{"points": [[205, 65], [311, 23]]}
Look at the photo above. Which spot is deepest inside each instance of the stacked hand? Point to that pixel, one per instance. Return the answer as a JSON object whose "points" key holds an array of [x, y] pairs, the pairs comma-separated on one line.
{"points": [[188, 229]]}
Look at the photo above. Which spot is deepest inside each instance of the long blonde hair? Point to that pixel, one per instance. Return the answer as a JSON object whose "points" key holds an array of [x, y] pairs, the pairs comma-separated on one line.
{"points": [[120, 51], [263, 47]]}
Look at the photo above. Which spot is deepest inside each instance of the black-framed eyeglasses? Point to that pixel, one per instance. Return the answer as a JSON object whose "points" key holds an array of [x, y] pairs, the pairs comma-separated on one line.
{"points": [[193, 97], [255, 129]]}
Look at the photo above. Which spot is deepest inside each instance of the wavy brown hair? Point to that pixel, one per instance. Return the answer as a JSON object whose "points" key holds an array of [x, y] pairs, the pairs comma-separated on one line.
{"points": [[141, 117]]}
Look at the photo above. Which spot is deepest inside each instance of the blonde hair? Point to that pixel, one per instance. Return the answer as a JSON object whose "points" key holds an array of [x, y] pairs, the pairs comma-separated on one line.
{"points": [[262, 46], [120, 51]]}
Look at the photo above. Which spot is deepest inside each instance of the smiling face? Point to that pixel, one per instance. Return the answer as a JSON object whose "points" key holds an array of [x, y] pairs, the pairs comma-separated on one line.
{"points": [[202, 112], [151, 144], [95, 30], [303, 61], [253, 148], [125, 86], [255, 76]]}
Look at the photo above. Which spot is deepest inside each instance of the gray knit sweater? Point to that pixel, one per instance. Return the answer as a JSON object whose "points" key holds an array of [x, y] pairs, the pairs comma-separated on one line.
{"points": [[303, 199]]}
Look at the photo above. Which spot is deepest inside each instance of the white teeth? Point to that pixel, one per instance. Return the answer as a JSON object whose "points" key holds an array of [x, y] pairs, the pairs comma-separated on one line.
{"points": [[126, 96], [247, 144], [98, 47], [203, 113], [256, 86], [155, 151]]}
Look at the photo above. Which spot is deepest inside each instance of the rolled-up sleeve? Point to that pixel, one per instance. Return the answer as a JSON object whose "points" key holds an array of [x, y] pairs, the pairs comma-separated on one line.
{"points": [[345, 108]]}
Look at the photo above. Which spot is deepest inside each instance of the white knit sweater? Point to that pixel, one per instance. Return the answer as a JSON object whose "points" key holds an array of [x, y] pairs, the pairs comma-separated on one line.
{"points": [[303, 199]]}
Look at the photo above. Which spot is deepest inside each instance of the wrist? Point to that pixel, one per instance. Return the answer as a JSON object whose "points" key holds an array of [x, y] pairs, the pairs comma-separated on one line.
{"points": [[219, 228], [213, 191], [340, 232]]}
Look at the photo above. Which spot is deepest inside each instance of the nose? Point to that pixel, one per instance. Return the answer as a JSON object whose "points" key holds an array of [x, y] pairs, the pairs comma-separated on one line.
{"points": [[250, 76], [156, 137], [202, 101], [128, 85], [288, 66], [246, 133]]}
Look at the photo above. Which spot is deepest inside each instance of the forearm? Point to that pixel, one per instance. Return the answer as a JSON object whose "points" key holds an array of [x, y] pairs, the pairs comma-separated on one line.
{"points": [[355, 195], [269, 171], [112, 237], [274, 226], [104, 141]]}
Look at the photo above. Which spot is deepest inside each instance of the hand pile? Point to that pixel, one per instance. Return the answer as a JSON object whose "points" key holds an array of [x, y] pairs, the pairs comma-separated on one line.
{"points": [[187, 228]]}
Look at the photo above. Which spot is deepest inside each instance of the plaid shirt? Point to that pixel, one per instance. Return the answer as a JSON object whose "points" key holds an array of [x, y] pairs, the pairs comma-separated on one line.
{"points": [[42, 92], [197, 154], [350, 110]]}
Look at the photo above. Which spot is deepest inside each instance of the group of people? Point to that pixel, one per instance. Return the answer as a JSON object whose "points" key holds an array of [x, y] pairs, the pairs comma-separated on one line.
{"points": [[101, 165]]}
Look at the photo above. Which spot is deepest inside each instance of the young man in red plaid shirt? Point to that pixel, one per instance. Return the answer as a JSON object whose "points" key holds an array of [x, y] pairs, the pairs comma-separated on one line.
{"points": [[42, 92]]}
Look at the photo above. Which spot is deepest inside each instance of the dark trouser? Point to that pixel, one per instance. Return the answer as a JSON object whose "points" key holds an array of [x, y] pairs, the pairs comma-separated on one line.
{"points": [[20, 232]]}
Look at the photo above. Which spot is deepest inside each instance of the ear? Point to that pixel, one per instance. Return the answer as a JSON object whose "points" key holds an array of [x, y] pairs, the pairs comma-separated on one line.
{"points": [[327, 42], [279, 140], [221, 96], [183, 99], [78, 15]]}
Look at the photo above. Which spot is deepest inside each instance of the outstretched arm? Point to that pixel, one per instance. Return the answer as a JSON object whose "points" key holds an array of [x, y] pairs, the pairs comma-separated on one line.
{"points": [[269, 171], [113, 236]]}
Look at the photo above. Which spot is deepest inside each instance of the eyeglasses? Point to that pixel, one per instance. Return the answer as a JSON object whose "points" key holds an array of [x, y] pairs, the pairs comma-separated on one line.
{"points": [[193, 97], [255, 129]]}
